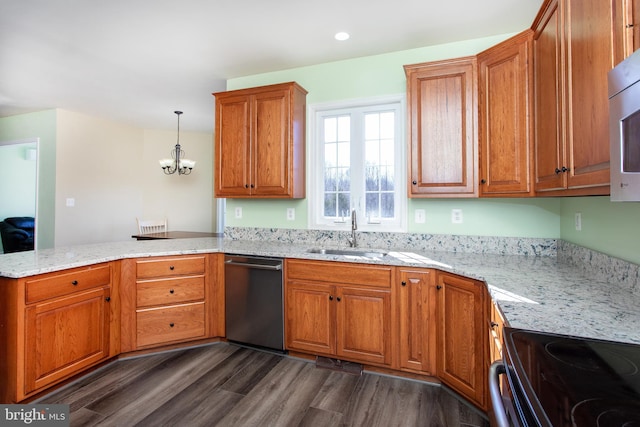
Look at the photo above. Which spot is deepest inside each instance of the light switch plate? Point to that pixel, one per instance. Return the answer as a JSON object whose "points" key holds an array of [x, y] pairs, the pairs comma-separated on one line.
{"points": [[420, 216], [291, 214], [238, 212]]}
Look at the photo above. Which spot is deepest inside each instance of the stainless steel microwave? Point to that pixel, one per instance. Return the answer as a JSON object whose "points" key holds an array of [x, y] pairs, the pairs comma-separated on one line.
{"points": [[624, 125]]}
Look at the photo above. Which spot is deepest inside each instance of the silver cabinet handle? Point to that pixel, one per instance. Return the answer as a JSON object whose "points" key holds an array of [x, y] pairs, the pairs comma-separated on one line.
{"points": [[497, 368]]}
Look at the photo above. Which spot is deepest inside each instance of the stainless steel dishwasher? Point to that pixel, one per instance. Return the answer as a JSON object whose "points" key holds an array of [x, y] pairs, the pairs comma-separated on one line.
{"points": [[254, 301]]}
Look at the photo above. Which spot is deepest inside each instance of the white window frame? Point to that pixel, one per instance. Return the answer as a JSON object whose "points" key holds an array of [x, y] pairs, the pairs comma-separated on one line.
{"points": [[315, 169]]}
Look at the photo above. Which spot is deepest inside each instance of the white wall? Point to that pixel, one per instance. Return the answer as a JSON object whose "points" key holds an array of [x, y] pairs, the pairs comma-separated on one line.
{"points": [[111, 171], [187, 200], [98, 166]]}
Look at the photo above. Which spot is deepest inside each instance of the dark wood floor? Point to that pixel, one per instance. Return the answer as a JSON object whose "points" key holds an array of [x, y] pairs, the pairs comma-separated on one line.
{"points": [[228, 385]]}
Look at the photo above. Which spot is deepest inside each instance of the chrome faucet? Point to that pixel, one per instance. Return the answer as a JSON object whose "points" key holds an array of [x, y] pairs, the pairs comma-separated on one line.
{"points": [[354, 226]]}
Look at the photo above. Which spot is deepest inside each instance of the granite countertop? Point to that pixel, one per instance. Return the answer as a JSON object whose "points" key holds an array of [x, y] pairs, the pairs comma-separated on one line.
{"points": [[534, 292]]}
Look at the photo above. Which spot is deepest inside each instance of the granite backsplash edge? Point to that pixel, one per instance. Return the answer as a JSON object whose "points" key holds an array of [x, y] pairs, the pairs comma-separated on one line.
{"points": [[594, 264]]}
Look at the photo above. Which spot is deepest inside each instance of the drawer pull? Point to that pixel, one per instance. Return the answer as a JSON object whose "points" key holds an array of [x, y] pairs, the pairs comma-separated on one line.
{"points": [[171, 291], [74, 283], [171, 324]]}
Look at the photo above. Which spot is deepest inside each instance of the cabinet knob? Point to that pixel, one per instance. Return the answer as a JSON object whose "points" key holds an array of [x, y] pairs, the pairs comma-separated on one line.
{"points": [[565, 169], [438, 287], [493, 324], [74, 283], [171, 291], [107, 299], [338, 299], [171, 267], [252, 186], [483, 181], [330, 297], [403, 283], [246, 186], [558, 171], [171, 324], [415, 182]]}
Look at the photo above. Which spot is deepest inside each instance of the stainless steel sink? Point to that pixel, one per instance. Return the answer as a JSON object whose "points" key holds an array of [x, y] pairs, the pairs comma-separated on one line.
{"points": [[348, 252]]}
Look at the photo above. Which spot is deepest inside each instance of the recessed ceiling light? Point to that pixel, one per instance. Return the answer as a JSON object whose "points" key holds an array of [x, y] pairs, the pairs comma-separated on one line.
{"points": [[341, 36]]}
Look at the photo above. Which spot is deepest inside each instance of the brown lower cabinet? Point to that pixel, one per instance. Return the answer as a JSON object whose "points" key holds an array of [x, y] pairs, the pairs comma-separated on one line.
{"points": [[461, 339], [339, 310], [55, 325], [170, 300]]}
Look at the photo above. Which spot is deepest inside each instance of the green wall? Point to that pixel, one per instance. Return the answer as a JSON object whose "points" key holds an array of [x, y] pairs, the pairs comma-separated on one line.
{"points": [[40, 125], [606, 227]]}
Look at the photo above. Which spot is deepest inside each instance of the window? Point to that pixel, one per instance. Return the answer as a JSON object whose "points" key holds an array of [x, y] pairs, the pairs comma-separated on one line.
{"points": [[357, 162]]}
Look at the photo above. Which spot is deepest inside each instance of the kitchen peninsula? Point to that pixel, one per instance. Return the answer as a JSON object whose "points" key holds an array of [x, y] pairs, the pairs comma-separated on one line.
{"points": [[538, 284]]}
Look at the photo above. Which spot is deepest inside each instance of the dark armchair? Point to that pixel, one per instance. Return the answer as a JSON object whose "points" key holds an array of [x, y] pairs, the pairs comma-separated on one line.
{"points": [[17, 233]]}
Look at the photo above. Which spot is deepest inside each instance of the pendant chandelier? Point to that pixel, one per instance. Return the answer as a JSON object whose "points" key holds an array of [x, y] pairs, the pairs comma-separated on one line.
{"points": [[177, 163]]}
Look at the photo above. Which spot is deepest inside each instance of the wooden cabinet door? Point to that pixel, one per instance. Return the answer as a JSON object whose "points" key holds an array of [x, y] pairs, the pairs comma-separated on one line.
{"points": [[364, 324], [442, 107], [260, 142], [65, 335], [589, 57], [417, 320], [574, 49], [461, 336], [232, 146], [504, 118], [270, 143], [310, 318], [549, 139]]}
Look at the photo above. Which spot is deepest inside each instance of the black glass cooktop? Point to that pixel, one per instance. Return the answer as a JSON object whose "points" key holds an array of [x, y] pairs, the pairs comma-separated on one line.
{"points": [[571, 381]]}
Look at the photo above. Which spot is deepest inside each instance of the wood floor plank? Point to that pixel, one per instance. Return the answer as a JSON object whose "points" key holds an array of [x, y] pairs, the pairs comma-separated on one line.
{"points": [[335, 393], [151, 391], [281, 399]]}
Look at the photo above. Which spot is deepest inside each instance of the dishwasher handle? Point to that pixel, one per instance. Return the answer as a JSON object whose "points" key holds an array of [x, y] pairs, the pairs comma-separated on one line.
{"points": [[255, 266]]}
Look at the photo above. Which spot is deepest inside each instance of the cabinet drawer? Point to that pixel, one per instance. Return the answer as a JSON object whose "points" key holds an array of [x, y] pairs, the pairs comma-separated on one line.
{"points": [[340, 273], [169, 291], [176, 323], [59, 284], [165, 267]]}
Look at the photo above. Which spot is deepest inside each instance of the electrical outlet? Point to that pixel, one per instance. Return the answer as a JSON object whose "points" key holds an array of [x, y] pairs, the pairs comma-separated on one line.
{"points": [[71, 202], [291, 214], [238, 212], [420, 216], [456, 216], [578, 221]]}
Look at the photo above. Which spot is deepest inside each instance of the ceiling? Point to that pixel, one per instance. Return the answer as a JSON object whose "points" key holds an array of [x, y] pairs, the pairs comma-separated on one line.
{"points": [[136, 61]]}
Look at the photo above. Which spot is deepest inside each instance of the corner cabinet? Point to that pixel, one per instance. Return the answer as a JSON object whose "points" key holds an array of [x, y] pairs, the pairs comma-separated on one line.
{"points": [[260, 142], [573, 49], [54, 326], [462, 346], [339, 310], [505, 95], [443, 138], [417, 320]]}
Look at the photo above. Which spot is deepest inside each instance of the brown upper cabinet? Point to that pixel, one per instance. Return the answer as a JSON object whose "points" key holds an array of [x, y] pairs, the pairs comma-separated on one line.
{"points": [[504, 95], [260, 142], [626, 24], [442, 113], [573, 50]]}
